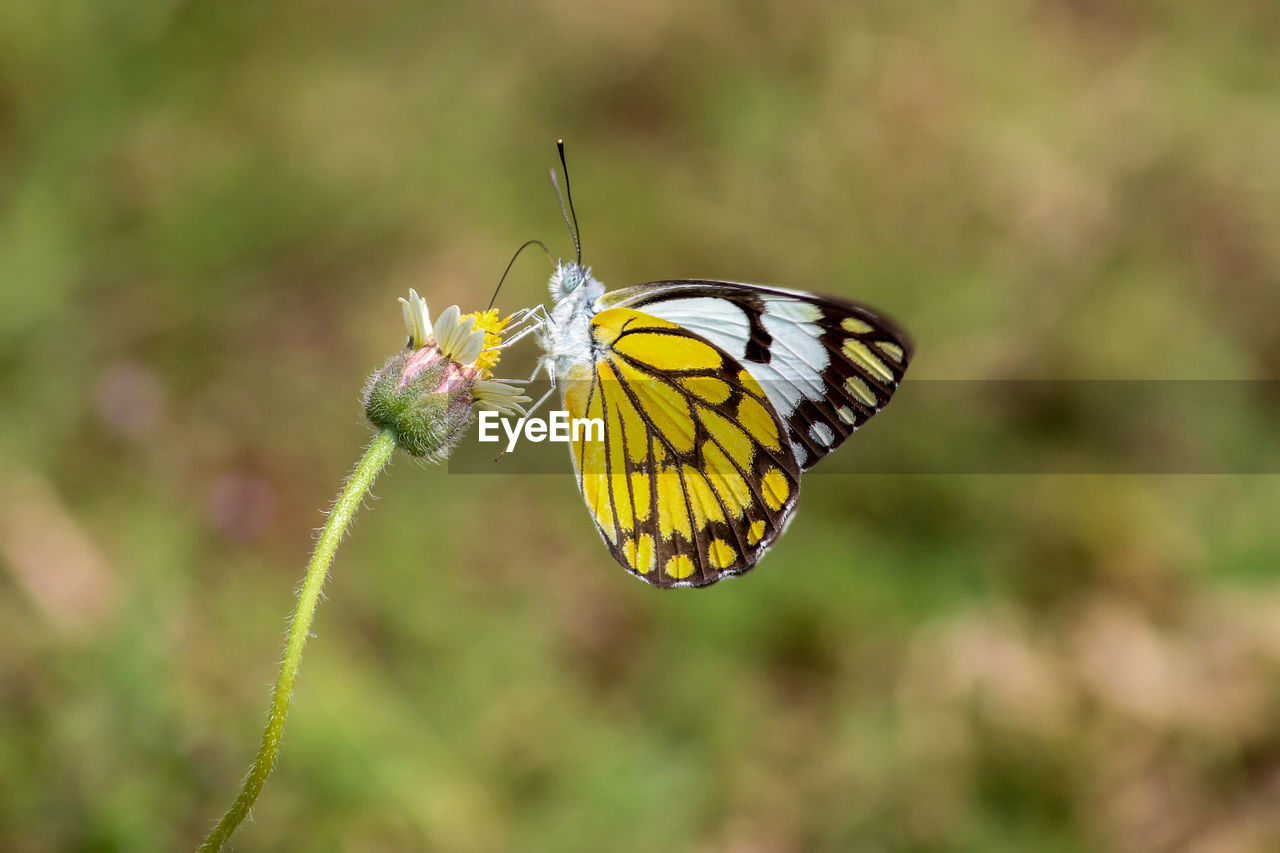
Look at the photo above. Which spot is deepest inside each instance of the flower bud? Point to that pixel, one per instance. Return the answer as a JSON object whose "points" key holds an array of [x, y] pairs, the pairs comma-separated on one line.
{"points": [[426, 394], [424, 398]]}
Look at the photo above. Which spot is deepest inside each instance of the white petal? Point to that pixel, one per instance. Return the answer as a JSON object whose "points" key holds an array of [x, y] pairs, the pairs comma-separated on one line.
{"points": [[417, 320], [499, 396], [491, 387], [461, 329], [446, 330], [471, 347], [422, 309]]}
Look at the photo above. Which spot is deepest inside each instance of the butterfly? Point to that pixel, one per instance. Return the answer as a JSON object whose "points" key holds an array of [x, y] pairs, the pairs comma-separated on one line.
{"points": [[715, 397]]}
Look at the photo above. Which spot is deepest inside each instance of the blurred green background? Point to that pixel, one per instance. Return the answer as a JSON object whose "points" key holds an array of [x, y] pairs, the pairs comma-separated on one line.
{"points": [[207, 211]]}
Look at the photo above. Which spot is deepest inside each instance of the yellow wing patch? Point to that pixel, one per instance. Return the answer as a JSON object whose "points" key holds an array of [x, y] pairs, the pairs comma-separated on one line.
{"points": [[720, 554], [759, 421], [693, 480], [861, 354], [678, 567], [663, 404], [776, 490], [708, 388], [639, 554], [725, 434]]}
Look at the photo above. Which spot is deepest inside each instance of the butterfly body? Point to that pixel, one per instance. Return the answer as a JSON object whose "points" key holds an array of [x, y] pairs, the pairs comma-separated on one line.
{"points": [[567, 337], [715, 396]]}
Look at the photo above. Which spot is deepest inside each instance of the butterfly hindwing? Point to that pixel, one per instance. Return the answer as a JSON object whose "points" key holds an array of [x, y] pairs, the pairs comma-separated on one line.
{"points": [[825, 364], [695, 477]]}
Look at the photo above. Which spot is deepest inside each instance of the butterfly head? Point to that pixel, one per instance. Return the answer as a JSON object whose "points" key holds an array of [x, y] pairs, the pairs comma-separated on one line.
{"points": [[572, 280], [574, 291]]}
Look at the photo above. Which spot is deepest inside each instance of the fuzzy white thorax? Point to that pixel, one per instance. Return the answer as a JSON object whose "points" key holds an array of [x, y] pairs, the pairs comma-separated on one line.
{"points": [[567, 338]]}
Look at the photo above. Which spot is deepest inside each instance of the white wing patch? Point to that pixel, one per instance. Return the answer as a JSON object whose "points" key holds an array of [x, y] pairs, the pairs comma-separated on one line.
{"points": [[793, 309], [718, 320], [796, 357]]}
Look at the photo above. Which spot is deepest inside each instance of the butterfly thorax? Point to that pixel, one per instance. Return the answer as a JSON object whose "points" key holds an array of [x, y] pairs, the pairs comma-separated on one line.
{"points": [[567, 338]]}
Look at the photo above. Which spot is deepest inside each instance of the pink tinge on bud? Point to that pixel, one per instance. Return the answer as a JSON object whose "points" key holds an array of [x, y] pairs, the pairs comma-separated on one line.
{"points": [[417, 362], [456, 377], [456, 374]]}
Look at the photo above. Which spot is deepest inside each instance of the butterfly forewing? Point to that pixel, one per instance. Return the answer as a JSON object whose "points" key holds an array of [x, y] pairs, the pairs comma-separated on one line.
{"points": [[826, 365], [695, 477]]}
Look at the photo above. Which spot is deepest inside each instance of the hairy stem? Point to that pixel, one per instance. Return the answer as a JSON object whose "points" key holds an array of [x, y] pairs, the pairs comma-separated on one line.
{"points": [[367, 470]]}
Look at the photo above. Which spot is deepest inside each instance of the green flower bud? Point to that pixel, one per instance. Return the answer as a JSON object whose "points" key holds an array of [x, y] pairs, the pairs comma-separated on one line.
{"points": [[425, 399]]}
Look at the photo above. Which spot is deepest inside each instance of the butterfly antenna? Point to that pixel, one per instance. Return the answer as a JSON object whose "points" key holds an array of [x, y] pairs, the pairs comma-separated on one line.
{"points": [[568, 193], [526, 244]]}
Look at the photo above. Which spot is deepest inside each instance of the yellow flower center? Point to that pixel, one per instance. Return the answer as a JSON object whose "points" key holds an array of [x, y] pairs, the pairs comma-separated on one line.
{"points": [[488, 322]]}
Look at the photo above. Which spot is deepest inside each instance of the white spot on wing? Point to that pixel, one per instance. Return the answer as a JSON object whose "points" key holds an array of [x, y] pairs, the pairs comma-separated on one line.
{"points": [[822, 433]]}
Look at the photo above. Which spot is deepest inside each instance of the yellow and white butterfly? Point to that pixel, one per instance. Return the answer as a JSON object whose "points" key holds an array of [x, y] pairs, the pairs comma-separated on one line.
{"points": [[715, 396]]}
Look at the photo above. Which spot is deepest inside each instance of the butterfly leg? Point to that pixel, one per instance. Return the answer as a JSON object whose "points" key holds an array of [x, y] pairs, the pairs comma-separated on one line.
{"points": [[524, 314], [529, 411], [531, 319], [525, 332], [543, 364], [521, 324], [539, 403]]}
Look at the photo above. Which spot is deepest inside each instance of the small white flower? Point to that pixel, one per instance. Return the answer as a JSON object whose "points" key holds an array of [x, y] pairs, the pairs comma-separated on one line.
{"points": [[428, 391], [471, 340]]}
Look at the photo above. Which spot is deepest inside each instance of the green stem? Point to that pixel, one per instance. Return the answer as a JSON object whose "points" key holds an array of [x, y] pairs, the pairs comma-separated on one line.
{"points": [[374, 460]]}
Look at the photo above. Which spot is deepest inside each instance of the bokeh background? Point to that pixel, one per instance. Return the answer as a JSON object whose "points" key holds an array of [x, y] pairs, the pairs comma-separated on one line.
{"points": [[207, 211]]}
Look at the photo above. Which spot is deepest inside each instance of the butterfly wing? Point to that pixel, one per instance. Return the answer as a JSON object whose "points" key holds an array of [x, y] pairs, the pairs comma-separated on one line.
{"points": [[694, 477], [826, 365]]}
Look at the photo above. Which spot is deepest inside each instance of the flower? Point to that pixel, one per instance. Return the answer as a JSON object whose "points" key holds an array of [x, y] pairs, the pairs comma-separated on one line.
{"points": [[427, 392]]}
